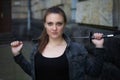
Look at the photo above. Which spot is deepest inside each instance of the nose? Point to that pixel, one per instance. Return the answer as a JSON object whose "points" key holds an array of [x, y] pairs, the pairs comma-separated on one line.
{"points": [[54, 27]]}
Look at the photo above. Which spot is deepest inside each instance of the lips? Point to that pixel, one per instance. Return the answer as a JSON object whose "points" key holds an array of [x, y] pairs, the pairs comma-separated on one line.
{"points": [[54, 33]]}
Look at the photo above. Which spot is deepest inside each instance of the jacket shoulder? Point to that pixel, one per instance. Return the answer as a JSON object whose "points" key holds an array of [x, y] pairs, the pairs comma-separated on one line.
{"points": [[78, 48]]}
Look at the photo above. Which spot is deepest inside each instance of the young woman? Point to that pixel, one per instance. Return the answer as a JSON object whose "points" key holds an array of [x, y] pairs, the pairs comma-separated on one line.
{"points": [[55, 56]]}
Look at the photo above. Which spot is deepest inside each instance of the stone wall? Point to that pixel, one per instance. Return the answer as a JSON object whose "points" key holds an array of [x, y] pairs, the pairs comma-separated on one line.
{"points": [[19, 9], [98, 12]]}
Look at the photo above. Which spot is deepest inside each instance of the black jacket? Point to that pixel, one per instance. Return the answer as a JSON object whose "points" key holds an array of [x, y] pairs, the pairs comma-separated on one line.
{"points": [[79, 63]]}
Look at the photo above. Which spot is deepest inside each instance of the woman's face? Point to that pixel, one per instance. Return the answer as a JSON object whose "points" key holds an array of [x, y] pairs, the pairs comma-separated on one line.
{"points": [[54, 25]]}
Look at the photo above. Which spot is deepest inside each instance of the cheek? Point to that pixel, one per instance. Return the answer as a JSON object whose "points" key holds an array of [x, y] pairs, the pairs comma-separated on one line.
{"points": [[47, 28], [61, 29]]}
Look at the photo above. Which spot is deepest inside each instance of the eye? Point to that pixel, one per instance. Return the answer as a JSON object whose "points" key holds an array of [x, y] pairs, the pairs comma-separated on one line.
{"points": [[50, 23], [59, 23]]}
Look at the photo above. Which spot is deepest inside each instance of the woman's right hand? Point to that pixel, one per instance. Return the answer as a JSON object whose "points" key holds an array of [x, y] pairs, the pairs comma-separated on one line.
{"points": [[16, 47]]}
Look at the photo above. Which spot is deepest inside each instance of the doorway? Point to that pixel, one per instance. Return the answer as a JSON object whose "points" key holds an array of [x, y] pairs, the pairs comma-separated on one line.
{"points": [[5, 16]]}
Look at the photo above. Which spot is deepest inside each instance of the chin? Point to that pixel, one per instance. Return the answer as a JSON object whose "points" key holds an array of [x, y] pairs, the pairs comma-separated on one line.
{"points": [[55, 37]]}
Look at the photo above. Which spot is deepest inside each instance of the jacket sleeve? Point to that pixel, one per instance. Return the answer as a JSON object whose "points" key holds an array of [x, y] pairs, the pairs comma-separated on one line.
{"points": [[23, 63], [94, 63]]}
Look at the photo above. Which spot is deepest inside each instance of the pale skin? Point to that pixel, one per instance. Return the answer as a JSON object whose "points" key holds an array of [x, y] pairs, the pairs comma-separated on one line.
{"points": [[56, 46]]}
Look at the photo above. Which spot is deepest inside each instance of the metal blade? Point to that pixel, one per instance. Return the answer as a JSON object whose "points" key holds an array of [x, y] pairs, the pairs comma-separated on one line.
{"points": [[84, 37]]}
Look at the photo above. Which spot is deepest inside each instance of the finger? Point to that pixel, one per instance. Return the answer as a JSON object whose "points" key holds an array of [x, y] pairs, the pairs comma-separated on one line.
{"points": [[20, 42], [98, 36], [16, 43]]}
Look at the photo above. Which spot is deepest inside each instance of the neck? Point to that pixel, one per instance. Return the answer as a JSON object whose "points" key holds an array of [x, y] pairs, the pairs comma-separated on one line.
{"points": [[56, 42]]}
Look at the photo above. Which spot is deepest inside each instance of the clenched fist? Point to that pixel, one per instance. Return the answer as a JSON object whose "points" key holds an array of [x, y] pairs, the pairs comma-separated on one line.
{"points": [[16, 47]]}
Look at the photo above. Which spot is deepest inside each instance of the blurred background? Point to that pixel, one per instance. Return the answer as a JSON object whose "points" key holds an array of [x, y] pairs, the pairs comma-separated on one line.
{"points": [[22, 20]]}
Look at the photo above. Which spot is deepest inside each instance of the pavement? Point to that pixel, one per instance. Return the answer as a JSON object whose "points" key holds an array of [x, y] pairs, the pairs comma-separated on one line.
{"points": [[9, 70]]}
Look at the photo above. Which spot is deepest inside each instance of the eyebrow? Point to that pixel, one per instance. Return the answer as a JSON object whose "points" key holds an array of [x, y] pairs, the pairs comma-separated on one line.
{"points": [[56, 22]]}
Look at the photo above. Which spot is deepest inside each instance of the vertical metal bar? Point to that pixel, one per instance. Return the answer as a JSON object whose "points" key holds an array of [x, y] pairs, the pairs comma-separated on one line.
{"points": [[73, 9], [119, 14], [116, 13], [29, 18]]}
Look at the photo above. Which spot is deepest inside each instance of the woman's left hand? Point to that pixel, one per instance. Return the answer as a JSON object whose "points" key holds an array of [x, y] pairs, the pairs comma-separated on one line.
{"points": [[98, 40]]}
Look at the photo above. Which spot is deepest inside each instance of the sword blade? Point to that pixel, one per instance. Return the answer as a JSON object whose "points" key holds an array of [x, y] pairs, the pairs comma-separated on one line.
{"points": [[84, 37]]}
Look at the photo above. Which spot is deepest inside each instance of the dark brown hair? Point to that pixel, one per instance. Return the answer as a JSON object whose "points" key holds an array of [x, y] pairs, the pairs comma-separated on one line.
{"points": [[44, 38]]}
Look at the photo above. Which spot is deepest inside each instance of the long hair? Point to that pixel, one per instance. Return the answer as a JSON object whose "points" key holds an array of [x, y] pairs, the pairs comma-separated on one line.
{"points": [[44, 38]]}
